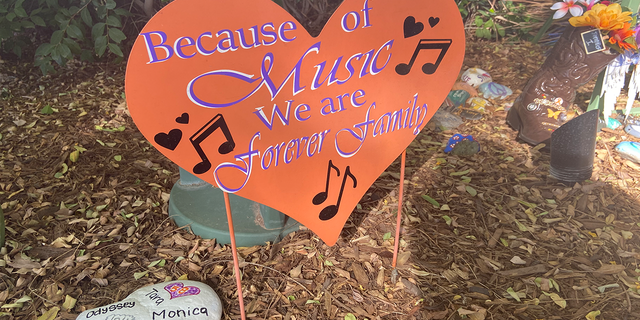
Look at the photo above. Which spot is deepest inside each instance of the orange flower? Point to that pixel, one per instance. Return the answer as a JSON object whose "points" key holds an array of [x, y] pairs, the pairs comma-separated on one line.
{"points": [[618, 37], [603, 17]]}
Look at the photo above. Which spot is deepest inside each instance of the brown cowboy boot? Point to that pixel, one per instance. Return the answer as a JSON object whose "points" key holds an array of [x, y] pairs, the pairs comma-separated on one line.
{"points": [[542, 106]]}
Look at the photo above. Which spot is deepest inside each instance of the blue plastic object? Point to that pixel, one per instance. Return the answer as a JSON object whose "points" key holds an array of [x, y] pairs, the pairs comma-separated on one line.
{"points": [[629, 150], [613, 123], [633, 130], [200, 206], [454, 140]]}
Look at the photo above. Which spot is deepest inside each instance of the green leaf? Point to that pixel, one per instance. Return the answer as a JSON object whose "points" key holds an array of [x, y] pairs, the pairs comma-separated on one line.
{"points": [[44, 49], [101, 45], [558, 300], [113, 21], [528, 204], [56, 37], [73, 156], [123, 12], [69, 303], [513, 294], [538, 281], [86, 17], [431, 200], [447, 219], [460, 173], [63, 50], [479, 22], [504, 242], [100, 142], [116, 35], [10, 16], [24, 299], [471, 191], [554, 284], [386, 236], [27, 24], [486, 34], [20, 12], [49, 314], [312, 301], [97, 30], [592, 315], [113, 48], [521, 226], [47, 110], [154, 263], [110, 4], [74, 32], [117, 157], [350, 316], [488, 24], [139, 275], [73, 45]]}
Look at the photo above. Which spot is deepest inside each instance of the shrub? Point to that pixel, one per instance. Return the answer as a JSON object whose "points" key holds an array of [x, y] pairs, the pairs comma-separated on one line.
{"points": [[63, 29]]}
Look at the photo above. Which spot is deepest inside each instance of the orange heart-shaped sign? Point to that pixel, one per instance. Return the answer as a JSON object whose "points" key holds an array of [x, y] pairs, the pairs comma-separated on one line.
{"points": [[238, 93]]}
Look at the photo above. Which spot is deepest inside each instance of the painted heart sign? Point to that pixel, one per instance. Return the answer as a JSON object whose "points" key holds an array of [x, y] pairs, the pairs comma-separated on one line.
{"points": [[238, 93]]}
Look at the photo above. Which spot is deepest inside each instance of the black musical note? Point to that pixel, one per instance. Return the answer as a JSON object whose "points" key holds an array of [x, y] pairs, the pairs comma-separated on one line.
{"points": [[203, 133], [322, 196], [426, 44], [331, 210]]}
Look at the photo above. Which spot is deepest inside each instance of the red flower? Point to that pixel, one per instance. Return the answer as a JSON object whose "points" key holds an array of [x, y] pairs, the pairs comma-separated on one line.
{"points": [[618, 37]]}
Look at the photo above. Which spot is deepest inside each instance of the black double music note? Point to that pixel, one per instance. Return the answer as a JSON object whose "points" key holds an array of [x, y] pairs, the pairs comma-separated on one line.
{"points": [[331, 210], [426, 44], [204, 132]]}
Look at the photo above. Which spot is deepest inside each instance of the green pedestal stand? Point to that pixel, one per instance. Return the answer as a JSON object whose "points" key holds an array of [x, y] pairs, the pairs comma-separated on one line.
{"points": [[200, 206]]}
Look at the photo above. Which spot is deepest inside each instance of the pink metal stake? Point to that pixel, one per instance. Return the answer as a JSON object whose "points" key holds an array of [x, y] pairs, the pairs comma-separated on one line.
{"points": [[399, 221], [234, 252]]}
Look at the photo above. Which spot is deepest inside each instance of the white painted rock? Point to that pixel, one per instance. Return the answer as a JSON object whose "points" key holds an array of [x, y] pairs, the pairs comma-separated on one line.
{"points": [[475, 77], [179, 299], [493, 90]]}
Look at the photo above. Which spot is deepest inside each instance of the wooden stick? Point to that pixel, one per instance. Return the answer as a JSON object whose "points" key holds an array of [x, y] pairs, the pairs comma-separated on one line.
{"points": [[399, 220], [234, 252]]}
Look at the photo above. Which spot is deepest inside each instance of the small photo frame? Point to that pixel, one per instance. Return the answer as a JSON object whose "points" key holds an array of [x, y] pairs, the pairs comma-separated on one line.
{"points": [[592, 41]]}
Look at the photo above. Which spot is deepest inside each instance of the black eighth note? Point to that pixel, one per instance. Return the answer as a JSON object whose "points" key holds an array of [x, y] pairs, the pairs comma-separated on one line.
{"points": [[202, 134], [426, 44], [322, 196], [330, 211]]}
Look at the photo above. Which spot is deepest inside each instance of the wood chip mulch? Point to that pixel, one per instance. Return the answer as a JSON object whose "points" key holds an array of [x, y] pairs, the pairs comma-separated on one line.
{"points": [[490, 236]]}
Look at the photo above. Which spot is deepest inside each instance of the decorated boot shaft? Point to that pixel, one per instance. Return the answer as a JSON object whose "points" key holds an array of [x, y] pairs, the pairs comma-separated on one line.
{"points": [[542, 106]]}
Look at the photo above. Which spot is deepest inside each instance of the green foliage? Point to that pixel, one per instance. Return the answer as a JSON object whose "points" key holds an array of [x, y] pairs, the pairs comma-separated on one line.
{"points": [[497, 19], [62, 29]]}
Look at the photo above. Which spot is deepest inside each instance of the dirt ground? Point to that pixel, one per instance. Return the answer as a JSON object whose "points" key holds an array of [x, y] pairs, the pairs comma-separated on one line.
{"points": [[490, 236]]}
